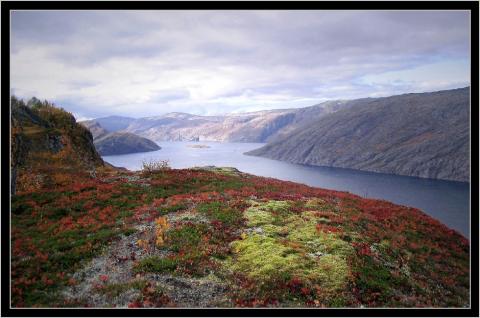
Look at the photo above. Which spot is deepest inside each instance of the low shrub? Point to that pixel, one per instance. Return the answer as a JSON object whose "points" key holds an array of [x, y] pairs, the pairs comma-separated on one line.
{"points": [[154, 166]]}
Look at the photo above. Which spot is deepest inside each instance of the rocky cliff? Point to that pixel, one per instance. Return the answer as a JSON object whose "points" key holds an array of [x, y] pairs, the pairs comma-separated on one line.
{"points": [[46, 138], [424, 135]]}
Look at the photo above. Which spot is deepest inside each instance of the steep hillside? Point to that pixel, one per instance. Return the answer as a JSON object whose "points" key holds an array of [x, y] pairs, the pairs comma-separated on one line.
{"points": [[46, 138], [424, 135], [117, 143]]}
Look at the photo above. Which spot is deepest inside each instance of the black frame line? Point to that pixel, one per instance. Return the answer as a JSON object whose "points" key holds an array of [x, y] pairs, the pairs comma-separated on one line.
{"points": [[8, 6]]}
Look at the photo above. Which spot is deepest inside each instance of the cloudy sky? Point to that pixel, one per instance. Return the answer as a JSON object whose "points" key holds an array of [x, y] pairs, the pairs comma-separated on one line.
{"points": [[145, 63]]}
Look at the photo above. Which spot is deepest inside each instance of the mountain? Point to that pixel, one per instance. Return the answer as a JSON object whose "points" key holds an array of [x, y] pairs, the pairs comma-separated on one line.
{"points": [[45, 138], [261, 126], [95, 128], [117, 143], [424, 135], [114, 123]]}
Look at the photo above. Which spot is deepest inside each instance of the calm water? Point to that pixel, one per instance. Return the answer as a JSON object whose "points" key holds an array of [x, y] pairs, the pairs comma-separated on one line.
{"points": [[444, 200]]}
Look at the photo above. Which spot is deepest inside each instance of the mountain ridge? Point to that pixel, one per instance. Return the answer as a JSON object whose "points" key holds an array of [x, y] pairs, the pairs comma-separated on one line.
{"points": [[418, 134]]}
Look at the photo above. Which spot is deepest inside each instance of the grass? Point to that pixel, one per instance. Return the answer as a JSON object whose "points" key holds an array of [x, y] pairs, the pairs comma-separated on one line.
{"points": [[115, 289], [218, 211], [155, 264]]}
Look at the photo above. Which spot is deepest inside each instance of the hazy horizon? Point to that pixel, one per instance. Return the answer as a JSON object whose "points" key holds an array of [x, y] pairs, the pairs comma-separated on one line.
{"points": [[142, 64]]}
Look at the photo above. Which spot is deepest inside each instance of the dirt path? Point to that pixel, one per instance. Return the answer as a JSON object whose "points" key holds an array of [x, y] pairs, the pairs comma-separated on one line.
{"points": [[108, 279]]}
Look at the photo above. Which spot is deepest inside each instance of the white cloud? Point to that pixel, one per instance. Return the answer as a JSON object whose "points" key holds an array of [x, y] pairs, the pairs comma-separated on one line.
{"points": [[147, 63]]}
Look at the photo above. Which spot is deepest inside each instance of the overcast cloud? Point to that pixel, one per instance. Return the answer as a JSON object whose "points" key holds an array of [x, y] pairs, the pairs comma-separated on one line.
{"points": [[145, 63]]}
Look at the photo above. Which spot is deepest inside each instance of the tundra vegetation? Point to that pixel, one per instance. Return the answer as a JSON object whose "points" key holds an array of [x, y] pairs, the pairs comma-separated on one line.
{"points": [[215, 237]]}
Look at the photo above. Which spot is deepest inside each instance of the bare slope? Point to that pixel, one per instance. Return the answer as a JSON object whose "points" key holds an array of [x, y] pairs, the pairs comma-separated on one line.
{"points": [[424, 135]]}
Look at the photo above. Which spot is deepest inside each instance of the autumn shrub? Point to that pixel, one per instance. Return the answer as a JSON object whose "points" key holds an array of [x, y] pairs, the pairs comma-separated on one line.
{"points": [[161, 225], [155, 166]]}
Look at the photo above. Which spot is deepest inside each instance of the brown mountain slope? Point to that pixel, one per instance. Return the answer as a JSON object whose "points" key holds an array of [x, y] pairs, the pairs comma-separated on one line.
{"points": [[424, 135]]}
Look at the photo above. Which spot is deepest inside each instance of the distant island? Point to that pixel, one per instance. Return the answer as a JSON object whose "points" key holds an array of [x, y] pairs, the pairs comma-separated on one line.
{"points": [[117, 143], [198, 146]]}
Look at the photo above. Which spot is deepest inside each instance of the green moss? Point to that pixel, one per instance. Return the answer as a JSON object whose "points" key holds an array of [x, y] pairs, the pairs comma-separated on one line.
{"points": [[274, 230], [267, 213], [155, 264], [115, 289], [266, 260], [288, 246], [263, 258], [315, 241], [256, 217], [330, 272], [315, 203]]}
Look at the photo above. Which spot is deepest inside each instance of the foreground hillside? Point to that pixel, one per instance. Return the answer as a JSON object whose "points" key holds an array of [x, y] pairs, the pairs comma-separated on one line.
{"points": [[84, 233], [423, 135], [195, 238]]}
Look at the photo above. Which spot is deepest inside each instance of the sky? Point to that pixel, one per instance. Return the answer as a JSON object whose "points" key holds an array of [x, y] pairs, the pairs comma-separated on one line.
{"points": [[147, 63]]}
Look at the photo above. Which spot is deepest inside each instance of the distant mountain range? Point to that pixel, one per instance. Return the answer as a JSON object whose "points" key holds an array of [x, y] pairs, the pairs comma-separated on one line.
{"points": [[261, 126], [425, 134], [117, 142]]}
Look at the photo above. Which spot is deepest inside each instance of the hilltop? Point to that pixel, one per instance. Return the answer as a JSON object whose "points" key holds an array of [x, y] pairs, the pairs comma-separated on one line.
{"points": [[48, 140]]}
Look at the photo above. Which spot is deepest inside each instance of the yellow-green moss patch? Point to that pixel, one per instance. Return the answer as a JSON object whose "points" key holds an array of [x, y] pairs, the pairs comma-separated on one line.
{"points": [[264, 213], [263, 258], [315, 241]]}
